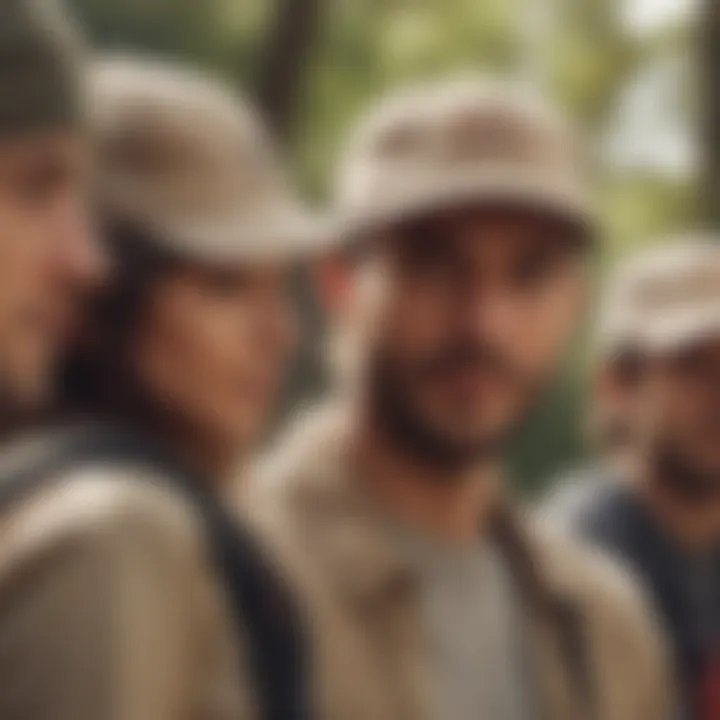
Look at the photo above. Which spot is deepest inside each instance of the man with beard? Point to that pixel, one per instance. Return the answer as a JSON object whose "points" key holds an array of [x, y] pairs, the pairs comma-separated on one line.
{"points": [[46, 253], [428, 595], [659, 511]]}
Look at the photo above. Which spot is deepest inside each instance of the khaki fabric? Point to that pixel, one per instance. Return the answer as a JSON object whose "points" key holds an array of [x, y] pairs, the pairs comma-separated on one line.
{"points": [[461, 141], [362, 600], [663, 299], [186, 159], [109, 608]]}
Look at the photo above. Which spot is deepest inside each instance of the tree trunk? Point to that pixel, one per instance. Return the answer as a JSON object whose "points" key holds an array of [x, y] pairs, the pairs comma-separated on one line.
{"points": [[709, 93], [282, 64]]}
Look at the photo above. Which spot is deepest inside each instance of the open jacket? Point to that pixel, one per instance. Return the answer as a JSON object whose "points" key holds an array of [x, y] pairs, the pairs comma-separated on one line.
{"points": [[595, 650]]}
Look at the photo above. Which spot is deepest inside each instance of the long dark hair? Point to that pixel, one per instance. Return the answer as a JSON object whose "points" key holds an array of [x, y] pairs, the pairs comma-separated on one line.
{"points": [[96, 377]]}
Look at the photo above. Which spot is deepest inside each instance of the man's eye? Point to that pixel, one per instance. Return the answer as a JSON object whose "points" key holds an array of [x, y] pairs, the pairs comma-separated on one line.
{"points": [[428, 260], [693, 364], [226, 283], [35, 190], [424, 247], [535, 269], [42, 185], [428, 254]]}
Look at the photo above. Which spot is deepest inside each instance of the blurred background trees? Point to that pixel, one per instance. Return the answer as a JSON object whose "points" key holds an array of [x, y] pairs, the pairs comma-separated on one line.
{"points": [[631, 71]]}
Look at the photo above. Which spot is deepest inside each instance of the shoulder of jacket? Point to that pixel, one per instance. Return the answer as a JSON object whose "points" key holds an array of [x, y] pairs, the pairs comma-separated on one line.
{"points": [[575, 495], [604, 589], [305, 443], [303, 462], [99, 507], [621, 619]]}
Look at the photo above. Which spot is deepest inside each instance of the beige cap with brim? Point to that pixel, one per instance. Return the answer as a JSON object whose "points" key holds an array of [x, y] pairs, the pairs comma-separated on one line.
{"points": [[681, 329], [186, 160], [664, 300], [289, 234], [463, 142], [492, 188]]}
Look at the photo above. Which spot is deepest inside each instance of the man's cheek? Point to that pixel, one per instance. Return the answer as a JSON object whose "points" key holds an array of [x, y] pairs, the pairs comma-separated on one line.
{"points": [[527, 357], [541, 344]]}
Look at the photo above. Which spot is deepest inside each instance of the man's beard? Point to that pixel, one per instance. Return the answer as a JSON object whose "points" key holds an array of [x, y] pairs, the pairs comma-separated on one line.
{"points": [[396, 415], [683, 478]]}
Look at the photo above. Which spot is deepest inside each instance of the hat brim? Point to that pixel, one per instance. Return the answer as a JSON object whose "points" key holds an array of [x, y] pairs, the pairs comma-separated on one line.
{"points": [[288, 237], [679, 330], [490, 187]]}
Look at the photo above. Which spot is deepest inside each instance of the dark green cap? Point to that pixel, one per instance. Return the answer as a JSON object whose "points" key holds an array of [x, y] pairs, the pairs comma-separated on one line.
{"points": [[41, 85]]}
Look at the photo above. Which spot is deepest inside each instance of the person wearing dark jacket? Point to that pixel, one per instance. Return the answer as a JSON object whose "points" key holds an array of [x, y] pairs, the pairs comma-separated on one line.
{"points": [[653, 501], [127, 592]]}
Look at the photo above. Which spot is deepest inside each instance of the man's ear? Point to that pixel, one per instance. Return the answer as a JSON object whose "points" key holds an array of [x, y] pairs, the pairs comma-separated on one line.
{"points": [[333, 277]]}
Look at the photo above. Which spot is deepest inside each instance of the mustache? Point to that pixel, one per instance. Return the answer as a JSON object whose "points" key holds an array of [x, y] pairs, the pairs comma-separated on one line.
{"points": [[469, 355]]}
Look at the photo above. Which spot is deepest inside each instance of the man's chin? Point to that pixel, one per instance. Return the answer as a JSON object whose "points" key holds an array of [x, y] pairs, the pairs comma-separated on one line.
{"points": [[450, 448], [444, 433]]}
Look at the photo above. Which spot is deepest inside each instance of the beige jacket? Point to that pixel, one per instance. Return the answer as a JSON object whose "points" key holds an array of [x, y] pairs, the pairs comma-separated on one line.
{"points": [[110, 608], [362, 602]]}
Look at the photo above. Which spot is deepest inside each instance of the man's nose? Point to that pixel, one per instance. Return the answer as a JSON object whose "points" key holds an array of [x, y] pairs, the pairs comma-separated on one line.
{"points": [[83, 257], [485, 310]]}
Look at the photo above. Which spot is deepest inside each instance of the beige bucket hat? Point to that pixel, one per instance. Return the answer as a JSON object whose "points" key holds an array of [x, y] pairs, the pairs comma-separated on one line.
{"points": [[664, 299], [183, 157], [463, 141]]}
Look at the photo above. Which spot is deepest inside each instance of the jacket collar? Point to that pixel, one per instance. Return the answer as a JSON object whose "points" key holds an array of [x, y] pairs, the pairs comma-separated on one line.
{"points": [[359, 543], [361, 556]]}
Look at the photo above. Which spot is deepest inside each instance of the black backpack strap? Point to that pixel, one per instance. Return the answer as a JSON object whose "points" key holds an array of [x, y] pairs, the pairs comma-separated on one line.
{"points": [[576, 653], [265, 617], [564, 617], [277, 643]]}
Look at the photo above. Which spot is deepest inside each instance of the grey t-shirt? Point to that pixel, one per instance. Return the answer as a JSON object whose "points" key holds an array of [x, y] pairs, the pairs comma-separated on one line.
{"points": [[473, 621]]}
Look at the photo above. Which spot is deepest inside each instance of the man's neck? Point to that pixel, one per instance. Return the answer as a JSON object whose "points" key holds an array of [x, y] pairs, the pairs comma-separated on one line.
{"points": [[694, 523], [453, 504]]}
